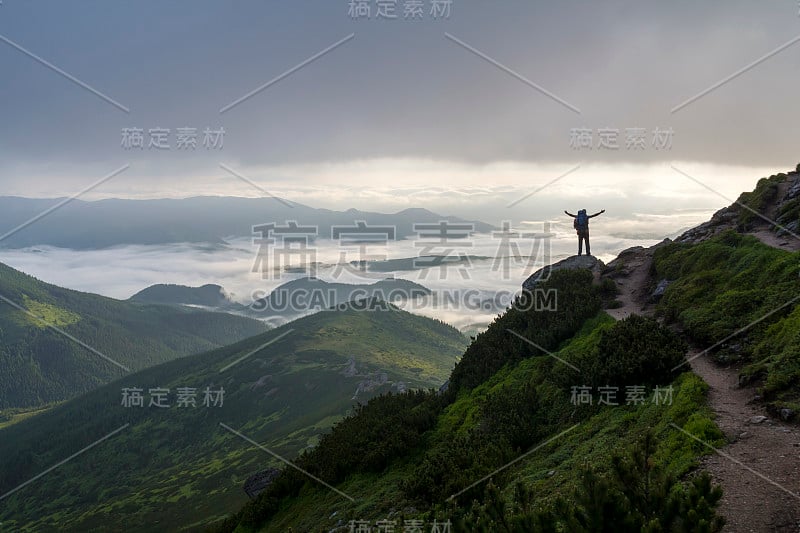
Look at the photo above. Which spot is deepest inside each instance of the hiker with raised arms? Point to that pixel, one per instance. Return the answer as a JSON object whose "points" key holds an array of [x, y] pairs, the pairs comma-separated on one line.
{"points": [[581, 225]]}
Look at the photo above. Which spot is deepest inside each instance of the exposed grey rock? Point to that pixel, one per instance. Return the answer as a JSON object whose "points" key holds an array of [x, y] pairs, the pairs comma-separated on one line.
{"points": [[658, 293], [792, 227], [351, 370], [722, 219], [256, 483], [787, 414], [574, 262], [757, 419], [262, 381], [794, 190], [372, 381], [618, 267]]}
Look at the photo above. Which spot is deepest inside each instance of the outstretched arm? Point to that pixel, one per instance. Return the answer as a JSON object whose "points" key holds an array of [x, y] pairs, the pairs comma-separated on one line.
{"points": [[598, 213], [570, 214]]}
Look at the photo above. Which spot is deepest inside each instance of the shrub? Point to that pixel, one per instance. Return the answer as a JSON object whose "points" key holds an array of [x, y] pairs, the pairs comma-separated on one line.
{"points": [[578, 300], [637, 496], [634, 351]]}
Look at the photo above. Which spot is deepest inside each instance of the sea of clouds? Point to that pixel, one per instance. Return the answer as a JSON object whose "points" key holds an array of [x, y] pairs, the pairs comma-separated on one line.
{"points": [[120, 272]]}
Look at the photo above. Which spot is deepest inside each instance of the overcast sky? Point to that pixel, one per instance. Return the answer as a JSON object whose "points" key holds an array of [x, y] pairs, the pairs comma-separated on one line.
{"points": [[462, 113]]}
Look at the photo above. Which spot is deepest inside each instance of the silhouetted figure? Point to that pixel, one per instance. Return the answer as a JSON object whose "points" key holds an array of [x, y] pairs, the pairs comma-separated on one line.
{"points": [[581, 225]]}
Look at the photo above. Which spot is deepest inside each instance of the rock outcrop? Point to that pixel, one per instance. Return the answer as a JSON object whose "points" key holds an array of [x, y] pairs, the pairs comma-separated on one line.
{"points": [[773, 206], [588, 262], [725, 218], [256, 483]]}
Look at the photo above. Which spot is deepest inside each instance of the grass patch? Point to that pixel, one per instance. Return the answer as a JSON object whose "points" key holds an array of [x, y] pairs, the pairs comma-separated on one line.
{"points": [[47, 314], [734, 282], [452, 453]]}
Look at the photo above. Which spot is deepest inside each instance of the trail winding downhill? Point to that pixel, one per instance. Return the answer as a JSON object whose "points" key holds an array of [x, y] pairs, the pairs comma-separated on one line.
{"points": [[759, 468]]}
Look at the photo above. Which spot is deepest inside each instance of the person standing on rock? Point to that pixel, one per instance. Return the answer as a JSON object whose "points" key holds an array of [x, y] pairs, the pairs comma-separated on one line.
{"points": [[581, 225]]}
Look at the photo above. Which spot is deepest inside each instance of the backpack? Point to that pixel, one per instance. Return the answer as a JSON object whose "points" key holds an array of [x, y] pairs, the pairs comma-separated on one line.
{"points": [[581, 221]]}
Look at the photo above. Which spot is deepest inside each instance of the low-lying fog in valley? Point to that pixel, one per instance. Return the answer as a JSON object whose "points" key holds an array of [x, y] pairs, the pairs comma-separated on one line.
{"points": [[492, 269]]}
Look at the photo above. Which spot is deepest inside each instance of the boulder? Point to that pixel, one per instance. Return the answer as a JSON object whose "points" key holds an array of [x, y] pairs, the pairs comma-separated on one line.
{"points": [[794, 189], [788, 229], [588, 262], [658, 293]]}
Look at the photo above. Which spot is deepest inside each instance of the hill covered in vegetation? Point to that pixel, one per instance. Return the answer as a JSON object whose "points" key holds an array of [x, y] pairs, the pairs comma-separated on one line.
{"points": [[207, 295], [178, 467], [40, 363], [508, 446]]}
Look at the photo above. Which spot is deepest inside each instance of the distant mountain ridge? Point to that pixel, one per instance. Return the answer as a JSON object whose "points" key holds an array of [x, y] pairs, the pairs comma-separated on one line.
{"points": [[323, 294], [207, 295], [100, 224], [286, 302]]}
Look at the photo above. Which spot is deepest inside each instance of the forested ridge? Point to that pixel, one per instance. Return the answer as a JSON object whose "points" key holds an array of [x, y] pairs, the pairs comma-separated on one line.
{"points": [[174, 466], [39, 365], [430, 456]]}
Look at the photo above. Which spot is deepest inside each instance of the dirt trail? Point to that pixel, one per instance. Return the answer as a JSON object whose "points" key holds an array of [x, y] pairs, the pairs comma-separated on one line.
{"points": [[769, 447], [633, 283], [788, 242]]}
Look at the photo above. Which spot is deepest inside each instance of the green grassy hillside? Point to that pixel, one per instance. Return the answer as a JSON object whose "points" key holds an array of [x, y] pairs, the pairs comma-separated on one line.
{"points": [[177, 468], [39, 365], [506, 446], [734, 282]]}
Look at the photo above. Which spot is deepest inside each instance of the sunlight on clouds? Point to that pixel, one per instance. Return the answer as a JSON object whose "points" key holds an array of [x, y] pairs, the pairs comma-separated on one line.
{"points": [[477, 192]]}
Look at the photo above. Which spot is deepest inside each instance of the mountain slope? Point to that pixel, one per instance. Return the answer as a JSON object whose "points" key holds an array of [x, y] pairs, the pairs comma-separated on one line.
{"points": [[457, 456], [771, 212], [178, 468], [728, 295], [506, 449], [39, 365], [736, 297]]}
